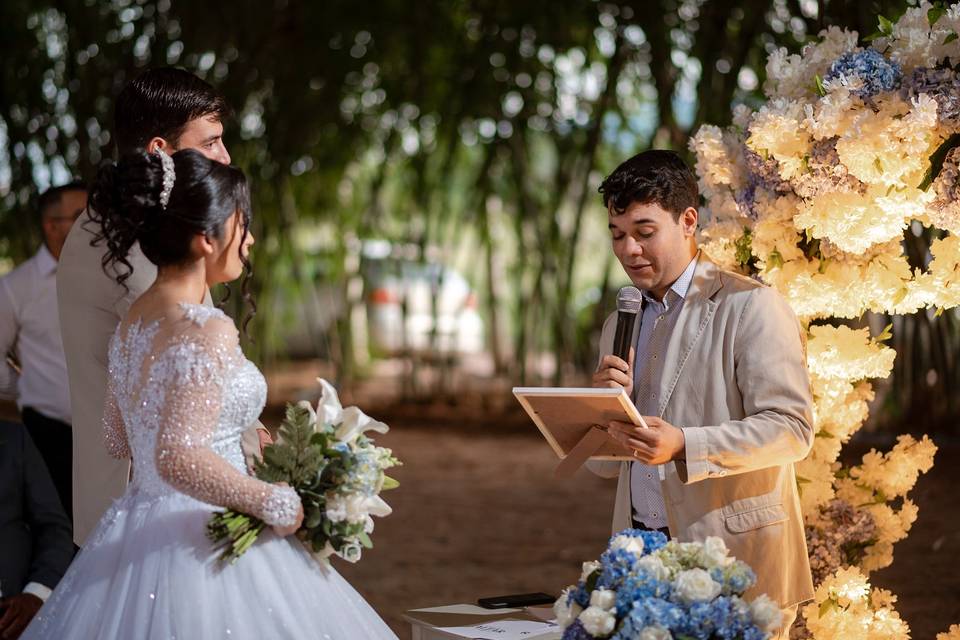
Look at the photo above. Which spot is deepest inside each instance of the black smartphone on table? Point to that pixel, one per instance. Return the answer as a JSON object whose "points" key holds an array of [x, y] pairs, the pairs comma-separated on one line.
{"points": [[516, 600]]}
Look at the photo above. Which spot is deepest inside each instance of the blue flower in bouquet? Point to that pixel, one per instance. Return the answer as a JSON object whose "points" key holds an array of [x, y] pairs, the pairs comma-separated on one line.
{"points": [[367, 471], [652, 540], [650, 612], [580, 595], [576, 632], [616, 566], [876, 72], [735, 578], [645, 584]]}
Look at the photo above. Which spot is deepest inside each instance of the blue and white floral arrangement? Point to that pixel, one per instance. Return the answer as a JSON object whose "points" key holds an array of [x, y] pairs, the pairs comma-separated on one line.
{"points": [[646, 588]]}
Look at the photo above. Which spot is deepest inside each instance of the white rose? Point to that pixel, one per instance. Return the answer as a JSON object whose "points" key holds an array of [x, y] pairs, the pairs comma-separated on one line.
{"points": [[655, 633], [696, 585], [566, 613], [351, 551], [588, 568], [715, 552], [603, 598], [597, 622], [654, 566], [766, 614], [627, 543]]}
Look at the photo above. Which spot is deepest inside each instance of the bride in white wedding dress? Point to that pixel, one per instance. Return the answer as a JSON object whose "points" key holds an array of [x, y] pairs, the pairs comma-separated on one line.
{"points": [[180, 394]]}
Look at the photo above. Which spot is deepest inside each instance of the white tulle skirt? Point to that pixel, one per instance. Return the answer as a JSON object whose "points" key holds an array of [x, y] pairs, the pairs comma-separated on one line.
{"points": [[149, 572]]}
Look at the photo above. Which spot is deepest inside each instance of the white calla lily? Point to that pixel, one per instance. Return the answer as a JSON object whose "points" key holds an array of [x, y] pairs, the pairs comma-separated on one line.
{"points": [[356, 422], [376, 506], [329, 409]]}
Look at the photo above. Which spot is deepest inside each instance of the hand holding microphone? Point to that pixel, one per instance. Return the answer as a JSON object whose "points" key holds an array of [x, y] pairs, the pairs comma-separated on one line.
{"points": [[616, 369]]}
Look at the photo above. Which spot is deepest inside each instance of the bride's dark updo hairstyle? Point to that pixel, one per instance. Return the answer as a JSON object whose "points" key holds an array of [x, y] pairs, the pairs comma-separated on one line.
{"points": [[126, 202]]}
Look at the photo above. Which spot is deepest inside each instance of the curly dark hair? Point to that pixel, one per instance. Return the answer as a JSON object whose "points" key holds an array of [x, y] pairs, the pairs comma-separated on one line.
{"points": [[125, 208], [654, 176]]}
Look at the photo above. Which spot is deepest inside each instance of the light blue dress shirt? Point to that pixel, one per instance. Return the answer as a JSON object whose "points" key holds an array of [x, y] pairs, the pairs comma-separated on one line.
{"points": [[645, 493]]}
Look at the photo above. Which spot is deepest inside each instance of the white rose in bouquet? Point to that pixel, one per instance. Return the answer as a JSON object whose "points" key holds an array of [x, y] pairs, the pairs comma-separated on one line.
{"points": [[566, 613], [654, 566], [628, 543], [603, 598], [351, 551], [598, 622], [696, 585], [588, 568], [715, 553], [655, 633], [765, 613]]}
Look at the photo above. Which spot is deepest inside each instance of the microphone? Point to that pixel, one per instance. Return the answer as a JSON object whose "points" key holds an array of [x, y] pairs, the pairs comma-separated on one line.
{"points": [[628, 306]]}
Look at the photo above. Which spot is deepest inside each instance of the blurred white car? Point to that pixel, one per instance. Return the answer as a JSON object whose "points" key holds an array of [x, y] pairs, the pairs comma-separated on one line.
{"points": [[436, 299]]}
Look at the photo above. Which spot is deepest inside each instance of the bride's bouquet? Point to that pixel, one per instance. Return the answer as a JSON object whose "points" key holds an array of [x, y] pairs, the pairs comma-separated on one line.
{"points": [[337, 471], [646, 588]]}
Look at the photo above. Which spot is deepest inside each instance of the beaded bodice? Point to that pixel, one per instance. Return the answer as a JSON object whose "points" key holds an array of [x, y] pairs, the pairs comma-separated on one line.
{"points": [[134, 356], [180, 394]]}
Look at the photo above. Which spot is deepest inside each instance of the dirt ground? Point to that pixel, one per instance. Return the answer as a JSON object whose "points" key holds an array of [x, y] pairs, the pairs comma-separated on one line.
{"points": [[478, 513]]}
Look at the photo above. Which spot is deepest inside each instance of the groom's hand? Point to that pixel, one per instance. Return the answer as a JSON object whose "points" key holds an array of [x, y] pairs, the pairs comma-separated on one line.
{"points": [[659, 443], [17, 611]]}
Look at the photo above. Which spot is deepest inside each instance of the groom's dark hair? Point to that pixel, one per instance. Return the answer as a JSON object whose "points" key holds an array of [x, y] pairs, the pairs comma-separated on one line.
{"points": [[160, 102], [651, 177]]}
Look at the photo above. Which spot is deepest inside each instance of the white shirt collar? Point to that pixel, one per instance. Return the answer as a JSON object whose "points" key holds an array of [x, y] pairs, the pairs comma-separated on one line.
{"points": [[681, 285], [46, 263]]}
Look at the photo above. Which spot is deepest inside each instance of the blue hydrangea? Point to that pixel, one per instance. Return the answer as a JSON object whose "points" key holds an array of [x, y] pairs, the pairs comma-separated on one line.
{"points": [[647, 612], [652, 540], [877, 73], [580, 595], [615, 566], [754, 633], [576, 632], [735, 578], [639, 587]]}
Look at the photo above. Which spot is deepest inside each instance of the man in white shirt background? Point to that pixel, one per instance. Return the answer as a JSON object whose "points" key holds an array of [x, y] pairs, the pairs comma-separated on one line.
{"points": [[33, 371]]}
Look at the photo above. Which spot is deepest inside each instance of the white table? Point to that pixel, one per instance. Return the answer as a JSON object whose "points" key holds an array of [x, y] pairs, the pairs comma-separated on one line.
{"points": [[424, 630]]}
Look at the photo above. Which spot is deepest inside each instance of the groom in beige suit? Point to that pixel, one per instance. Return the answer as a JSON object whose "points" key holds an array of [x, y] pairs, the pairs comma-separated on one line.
{"points": [[718, 370], [163, 108]]}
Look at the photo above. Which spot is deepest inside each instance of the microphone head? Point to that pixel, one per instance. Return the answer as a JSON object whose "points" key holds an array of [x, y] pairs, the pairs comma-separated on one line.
{"points": [[629, 300]]}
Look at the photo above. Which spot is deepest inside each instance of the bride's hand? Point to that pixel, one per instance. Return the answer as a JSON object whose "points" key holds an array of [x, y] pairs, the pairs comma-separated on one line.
{"points": [[284, 531]]}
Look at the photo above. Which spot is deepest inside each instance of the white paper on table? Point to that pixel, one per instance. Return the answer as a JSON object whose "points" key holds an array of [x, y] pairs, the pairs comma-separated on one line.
{"points": [[502, 630]]}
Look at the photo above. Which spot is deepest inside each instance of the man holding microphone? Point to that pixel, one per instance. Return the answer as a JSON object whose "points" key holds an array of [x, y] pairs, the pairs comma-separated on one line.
{"points": [[718, 372]]}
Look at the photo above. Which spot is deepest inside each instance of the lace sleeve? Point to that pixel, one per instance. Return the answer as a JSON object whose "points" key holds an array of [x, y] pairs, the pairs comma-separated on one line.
{"points": [[197, 366], [114, 433]]}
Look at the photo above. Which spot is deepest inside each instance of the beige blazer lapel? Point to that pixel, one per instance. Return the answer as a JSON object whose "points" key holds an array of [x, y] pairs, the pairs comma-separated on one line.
{"points": [[698, 309]]}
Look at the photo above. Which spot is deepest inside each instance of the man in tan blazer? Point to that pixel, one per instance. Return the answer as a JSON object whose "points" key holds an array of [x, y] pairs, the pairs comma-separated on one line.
{"points": [[167, 109], [720, 377]]}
